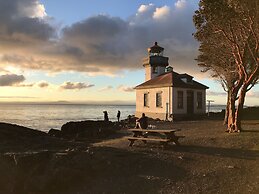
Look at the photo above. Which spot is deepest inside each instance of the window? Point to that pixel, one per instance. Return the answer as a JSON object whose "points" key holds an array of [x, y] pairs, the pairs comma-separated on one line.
{"points": [[146, 99], [180, 99], [159, 99], [199, 100], [154, 69]]}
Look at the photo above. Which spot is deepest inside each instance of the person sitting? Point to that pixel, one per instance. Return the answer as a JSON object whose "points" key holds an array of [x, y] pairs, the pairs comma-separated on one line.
{"points": [[142, 122]]}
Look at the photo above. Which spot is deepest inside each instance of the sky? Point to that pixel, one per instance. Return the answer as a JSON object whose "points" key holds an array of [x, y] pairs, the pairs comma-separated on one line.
{"points": [[91, 51]]}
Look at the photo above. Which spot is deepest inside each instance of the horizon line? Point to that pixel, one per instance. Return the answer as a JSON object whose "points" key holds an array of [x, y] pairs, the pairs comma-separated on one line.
{"points": [[72, 102]]}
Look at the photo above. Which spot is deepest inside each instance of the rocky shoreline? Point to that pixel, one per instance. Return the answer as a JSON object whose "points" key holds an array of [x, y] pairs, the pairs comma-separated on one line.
{"points": [[93, 157], [33, 161]]}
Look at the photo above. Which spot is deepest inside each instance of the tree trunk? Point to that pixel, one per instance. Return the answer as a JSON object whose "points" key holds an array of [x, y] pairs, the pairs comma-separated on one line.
{"points": [[225, 122], [238, 114], [231, 114]]}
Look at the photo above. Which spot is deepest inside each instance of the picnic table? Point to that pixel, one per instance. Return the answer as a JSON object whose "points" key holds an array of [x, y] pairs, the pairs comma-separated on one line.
{"points": [[162, 136]]}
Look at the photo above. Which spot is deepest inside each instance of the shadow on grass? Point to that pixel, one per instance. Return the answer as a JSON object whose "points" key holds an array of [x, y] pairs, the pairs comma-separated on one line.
{"points": [[216, 151], [100, 170], [251, 128], [250, 131]]}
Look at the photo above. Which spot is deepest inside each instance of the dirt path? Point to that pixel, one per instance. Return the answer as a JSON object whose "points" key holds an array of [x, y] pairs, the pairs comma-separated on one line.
{"points": [[208, 161]]}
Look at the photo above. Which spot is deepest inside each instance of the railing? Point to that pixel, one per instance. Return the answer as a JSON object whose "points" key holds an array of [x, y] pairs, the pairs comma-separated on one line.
{"points": [[158, 60]]}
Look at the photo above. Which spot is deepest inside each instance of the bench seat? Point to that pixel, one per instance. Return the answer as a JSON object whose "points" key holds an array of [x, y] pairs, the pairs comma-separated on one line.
{"points": [[148, 139]]}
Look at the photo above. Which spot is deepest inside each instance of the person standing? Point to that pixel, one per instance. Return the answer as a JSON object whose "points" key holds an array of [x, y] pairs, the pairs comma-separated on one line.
{"points": [[106, 118], [118, 115]]}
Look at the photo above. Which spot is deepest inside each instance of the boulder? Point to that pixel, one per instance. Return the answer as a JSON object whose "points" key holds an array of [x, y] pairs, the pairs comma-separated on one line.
{"points": [[14, 132], [89, 129], [55, 132]]}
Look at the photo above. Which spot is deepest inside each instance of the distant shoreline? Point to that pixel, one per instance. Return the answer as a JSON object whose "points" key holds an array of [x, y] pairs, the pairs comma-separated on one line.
{"points": [[96, 104], [66, 103]]}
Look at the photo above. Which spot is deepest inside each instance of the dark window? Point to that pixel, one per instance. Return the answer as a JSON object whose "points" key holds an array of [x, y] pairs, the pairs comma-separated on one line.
{"points": [[180, 99], [146, 99], [199, 100], [159, 99], [154, 69]]}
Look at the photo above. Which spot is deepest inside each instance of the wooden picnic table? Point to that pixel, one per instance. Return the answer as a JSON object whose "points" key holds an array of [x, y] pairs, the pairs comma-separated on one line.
{"points": [[162, 136]]}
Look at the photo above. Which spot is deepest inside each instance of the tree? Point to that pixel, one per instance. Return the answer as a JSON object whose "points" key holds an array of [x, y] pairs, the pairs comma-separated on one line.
{"points": [[219, 63], [228, 32]]}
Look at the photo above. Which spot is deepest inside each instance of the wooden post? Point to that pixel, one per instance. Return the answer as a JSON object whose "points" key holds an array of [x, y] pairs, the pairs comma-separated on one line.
{"points": [[209, 101]]}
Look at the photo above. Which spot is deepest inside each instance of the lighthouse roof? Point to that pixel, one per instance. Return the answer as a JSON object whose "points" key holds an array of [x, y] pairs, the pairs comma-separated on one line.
{"points": [[155, 49], [171, 79]]}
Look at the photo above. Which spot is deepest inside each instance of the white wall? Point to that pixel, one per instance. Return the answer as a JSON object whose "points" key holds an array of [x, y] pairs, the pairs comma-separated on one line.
{"points": [[152, 110], [176, 110], [169, 95], [147, 72]]}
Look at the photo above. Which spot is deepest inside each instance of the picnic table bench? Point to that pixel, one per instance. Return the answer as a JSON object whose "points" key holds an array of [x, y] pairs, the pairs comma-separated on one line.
{"points": [[162, 136]]}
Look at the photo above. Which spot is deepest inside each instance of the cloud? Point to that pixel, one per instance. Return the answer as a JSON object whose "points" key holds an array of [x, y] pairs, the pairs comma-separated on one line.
{"points": [[25, 85], [34, 9], [3, 71], [161, 12], [213, 93], [107, 88], [43, 84], [126, 88], [253, 94], [98, 45], [180, 4], [22, 22], [11, 79], [144, 8], [144, 13], [23, 97], [76, 85]]}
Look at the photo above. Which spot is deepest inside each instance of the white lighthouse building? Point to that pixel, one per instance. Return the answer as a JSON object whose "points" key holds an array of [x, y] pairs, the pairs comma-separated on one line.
{"points": [[166, 94]]}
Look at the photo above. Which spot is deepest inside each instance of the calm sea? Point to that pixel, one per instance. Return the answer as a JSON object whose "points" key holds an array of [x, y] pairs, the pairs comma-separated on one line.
{"points": [[46, 116]]}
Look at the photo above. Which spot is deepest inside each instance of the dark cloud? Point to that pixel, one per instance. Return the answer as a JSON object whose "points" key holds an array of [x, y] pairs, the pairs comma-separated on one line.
{"points": [[43, 84], [111, 42], [11, 79], [97, 45], [22, 21], [95, 29], [73, 86]]}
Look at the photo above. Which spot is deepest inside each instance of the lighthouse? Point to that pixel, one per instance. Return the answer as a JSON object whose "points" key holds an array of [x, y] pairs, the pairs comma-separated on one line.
{"points": [[166, 94], [155, 64]]}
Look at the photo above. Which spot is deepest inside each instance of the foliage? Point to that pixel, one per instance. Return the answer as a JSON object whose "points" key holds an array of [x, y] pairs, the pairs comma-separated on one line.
{"points": [[228, 32]]}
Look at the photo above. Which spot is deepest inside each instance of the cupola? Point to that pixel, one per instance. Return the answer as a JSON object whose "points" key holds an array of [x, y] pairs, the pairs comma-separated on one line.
{"points": [[155, 63]]}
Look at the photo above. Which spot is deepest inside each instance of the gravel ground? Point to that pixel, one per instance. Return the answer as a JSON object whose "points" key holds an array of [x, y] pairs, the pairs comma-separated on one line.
{"points": [[208, 161]]}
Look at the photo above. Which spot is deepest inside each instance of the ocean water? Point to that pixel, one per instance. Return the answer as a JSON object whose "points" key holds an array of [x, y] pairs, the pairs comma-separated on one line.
{"points": [[46, 116]]}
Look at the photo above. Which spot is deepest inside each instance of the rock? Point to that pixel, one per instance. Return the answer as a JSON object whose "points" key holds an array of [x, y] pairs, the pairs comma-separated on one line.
{"points": [[54, 132], [14, 132], [89, 129]]}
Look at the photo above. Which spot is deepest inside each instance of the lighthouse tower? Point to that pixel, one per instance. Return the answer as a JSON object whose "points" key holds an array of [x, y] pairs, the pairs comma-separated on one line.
{"points": [[155, 64]]}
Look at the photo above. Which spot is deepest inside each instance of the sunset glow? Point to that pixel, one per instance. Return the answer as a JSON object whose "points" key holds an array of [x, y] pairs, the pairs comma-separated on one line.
{"points": [[88, 52]]}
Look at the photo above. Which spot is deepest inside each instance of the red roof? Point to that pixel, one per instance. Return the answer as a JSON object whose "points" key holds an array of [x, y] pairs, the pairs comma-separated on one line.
{"points": [[171, 79]]}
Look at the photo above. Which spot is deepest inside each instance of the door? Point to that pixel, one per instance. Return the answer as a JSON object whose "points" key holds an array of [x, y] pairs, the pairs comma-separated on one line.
{"points": [[190, 103]]}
